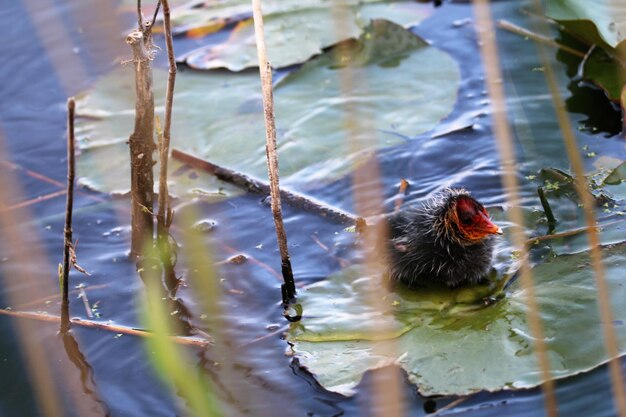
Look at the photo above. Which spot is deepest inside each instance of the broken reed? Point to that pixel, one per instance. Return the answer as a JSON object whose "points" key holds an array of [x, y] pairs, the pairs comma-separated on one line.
{"points": [[165, 214], [141, 141], [69, 206], [265, 71]]}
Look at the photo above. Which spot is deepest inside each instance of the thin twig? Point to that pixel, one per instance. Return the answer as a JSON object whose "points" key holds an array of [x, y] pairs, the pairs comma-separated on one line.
{"points": [[573, 232], [154, 17], [167, 128], [50, 298], [164, 215], [606, 313], [83, 296], [69, 207], [265, 70], [489, 51], [450, 406], [264, 337], [260, 187], [511, 27], [139, 17], [115, 328]]}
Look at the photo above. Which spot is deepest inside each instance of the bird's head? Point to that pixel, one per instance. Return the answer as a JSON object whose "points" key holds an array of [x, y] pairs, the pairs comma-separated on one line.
{"points": [[464, 220]]}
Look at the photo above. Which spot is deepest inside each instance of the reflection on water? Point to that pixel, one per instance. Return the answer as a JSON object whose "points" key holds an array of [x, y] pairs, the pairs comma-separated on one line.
{"points": [[89, 387]]}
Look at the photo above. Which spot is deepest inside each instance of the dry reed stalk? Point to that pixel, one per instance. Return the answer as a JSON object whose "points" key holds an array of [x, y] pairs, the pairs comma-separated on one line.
{"points": [[69, 206], [367, 190], [164, 215], [606, 314], [181, 340], [265, 71], [141, 143], [253, 185], [512, 27], [139, 15], [504, 141]]}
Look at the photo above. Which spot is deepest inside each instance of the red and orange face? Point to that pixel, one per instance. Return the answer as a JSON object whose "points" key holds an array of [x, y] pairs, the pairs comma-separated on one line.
{"points": [[473, 220]]}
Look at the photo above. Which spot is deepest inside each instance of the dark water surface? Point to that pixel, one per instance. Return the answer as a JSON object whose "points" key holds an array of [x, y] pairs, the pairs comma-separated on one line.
{"points": [[54, 49]]}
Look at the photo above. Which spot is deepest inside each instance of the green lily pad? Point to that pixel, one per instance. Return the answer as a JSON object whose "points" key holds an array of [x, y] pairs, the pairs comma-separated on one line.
{"points": [[605, 71], [617, 176], [616, 180], [455, 346], [294, 30], [603, 24], [407, 88]]}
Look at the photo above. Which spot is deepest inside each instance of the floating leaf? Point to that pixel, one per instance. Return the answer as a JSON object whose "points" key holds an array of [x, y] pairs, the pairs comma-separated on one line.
{"points": [[617, 176], [406, 88], [451, 345], [605, 71], [294, 30], [603, 24]]}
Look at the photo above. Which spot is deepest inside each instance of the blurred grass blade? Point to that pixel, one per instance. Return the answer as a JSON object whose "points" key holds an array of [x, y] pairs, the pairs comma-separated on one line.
{"points": [[168, 358]]}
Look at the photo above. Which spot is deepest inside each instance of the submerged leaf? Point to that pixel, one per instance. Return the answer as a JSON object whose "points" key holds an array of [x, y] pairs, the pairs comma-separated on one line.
{"points": [[456, 346], [295, 30], [406, 88]]}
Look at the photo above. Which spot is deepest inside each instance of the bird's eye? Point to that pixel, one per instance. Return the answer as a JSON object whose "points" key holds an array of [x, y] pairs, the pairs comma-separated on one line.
{"points": [[466, 220]]}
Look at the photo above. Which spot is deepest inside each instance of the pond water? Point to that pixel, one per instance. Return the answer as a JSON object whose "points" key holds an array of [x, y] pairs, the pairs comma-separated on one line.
{"points": [[55, 49]]}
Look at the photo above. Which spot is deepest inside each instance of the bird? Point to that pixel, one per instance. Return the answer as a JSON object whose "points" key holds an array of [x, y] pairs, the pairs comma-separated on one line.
{"points": [[448, 239]]}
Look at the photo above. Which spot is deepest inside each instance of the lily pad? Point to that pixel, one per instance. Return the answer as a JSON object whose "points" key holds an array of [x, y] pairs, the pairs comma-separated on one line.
{"points": [[294, 30], [617, 176], [605, 71], [603, 24], [453, 346], [407, 88]]}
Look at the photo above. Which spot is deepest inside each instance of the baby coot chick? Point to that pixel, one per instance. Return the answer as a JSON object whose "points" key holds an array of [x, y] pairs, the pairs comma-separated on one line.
{"points": [[448, 239]]}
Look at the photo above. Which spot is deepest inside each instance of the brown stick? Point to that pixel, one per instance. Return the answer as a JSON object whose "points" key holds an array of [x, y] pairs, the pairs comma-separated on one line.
{"points": [[141, 144], [164, 209], [253, 185], [164, 216], [150, 25], [611, 343], [182, 340], [265, 70], [493, 78], [69, 206], [139, 16], [511, 27]]}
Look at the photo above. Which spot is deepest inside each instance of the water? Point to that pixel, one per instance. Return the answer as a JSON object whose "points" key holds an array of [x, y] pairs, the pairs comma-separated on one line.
{"points": [[58, 49]]}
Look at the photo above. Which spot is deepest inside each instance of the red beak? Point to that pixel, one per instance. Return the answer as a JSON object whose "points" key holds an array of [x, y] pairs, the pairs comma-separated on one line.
{"points": [[488, 226]]}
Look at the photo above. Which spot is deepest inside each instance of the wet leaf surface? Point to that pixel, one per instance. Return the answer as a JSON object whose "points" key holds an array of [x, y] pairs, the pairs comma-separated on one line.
{"points": [[604, 70], [219, 116], [603, 24], [454, 344], [295, 30]]}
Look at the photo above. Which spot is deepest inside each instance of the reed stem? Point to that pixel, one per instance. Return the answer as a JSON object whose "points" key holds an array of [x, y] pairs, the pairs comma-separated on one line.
{"points": [[69, 207], [265, 70]]}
